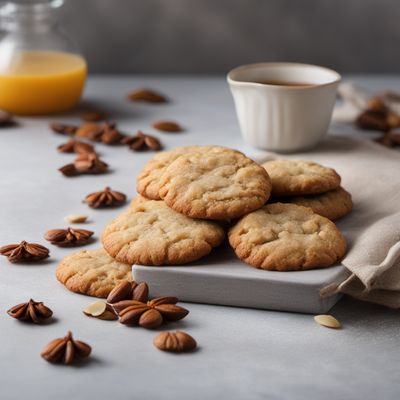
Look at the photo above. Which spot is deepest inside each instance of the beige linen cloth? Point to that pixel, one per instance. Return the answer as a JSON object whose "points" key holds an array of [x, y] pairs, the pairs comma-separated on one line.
{"points": [[371, 173]]}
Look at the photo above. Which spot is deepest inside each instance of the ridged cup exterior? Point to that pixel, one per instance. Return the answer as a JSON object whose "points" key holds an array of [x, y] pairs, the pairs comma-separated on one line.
{"points": [[283, 119]]}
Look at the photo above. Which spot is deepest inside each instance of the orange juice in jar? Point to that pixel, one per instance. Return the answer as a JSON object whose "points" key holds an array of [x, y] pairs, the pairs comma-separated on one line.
{"points": [[40, 70]]}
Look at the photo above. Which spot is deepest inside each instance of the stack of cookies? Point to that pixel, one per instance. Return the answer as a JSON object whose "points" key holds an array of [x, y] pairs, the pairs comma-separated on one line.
{"points": [[309, 184], [192, 197], [185, 195]]}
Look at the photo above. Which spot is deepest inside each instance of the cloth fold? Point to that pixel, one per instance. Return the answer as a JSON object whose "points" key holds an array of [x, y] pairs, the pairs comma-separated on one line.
{"points": [[371, 173]]}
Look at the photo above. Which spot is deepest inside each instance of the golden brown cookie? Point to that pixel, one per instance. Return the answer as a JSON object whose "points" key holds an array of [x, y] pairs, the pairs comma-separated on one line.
{"points": [[297, 178], [287, 237], [218, 184], [92, 272], [151, 233], [148, 181], [333, 205]]}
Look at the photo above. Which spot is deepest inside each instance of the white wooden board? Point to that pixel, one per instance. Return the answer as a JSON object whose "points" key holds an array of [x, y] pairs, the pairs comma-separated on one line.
{"points": [[223, 279]]}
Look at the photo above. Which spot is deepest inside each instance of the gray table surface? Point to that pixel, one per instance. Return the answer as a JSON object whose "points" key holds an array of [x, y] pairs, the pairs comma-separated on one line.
{"points": [[243, 353]]}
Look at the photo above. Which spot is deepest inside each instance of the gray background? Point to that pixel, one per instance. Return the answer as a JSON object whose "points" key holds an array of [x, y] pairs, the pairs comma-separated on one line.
{"points": [[212, 36]]}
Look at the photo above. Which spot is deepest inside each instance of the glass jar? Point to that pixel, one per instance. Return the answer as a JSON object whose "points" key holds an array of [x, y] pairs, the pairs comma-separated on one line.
{"points": [[41, 70]]}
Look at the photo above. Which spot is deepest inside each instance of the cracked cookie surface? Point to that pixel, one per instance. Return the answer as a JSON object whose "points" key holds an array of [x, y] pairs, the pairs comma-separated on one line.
{"points": [[297, 177], [92, 272], [151, 233], [333, 205], [287, 237], [148, 180], [218, 184]]}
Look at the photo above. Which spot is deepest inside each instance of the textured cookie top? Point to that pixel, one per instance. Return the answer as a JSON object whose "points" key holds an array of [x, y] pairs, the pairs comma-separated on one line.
{"points": [[291, 177], [286, 237], [148, 181], [220, 184], [151, 233], [92, 272], [332, 205]]}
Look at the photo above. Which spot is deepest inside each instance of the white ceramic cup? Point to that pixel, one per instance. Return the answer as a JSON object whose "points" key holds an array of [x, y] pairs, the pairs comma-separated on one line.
{"points": [[283, 118]]}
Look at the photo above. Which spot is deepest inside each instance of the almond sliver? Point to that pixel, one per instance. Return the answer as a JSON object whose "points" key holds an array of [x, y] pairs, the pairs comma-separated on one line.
{"points": [[75, 218], [95, 309], [328, 321]]}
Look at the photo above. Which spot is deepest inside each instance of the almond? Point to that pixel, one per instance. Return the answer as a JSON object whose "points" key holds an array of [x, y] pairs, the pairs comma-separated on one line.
{"points": [[328, 321], [151, 319], [120, 292], [140, 292], [152, 142], [101, 310], [93, 116], [95, 309], [89, 130], [76, 218], [146, 95], [167, 126], [83, 148]]}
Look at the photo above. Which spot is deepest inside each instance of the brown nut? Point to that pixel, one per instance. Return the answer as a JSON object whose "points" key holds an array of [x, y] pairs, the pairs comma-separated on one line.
{"points": [[120, 292], [167, 126], [175, 342]]}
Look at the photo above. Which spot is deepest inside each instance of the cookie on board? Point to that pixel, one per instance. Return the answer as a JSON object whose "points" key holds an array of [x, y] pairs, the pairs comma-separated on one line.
{"points": [[151, 233], [217, 184], [287, 237], [333, 205], [148, 180], [297, 177]]}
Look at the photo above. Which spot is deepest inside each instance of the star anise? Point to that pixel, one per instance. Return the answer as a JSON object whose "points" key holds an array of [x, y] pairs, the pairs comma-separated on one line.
{"points": [[68, 237], [142, 141], [75, 146], [32, 311], [63, 128], [69, 170], [24, 251], [151, 314], [129, 291], [105, 198], [65, 350], [85, 163]]}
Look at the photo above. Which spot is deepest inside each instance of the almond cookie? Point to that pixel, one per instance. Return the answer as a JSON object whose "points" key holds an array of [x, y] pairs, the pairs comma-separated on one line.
{"points": [[333, 205], [218, 184], [92, 272], [296, 178], [151, 233], [287, 237], [148, 181]]}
